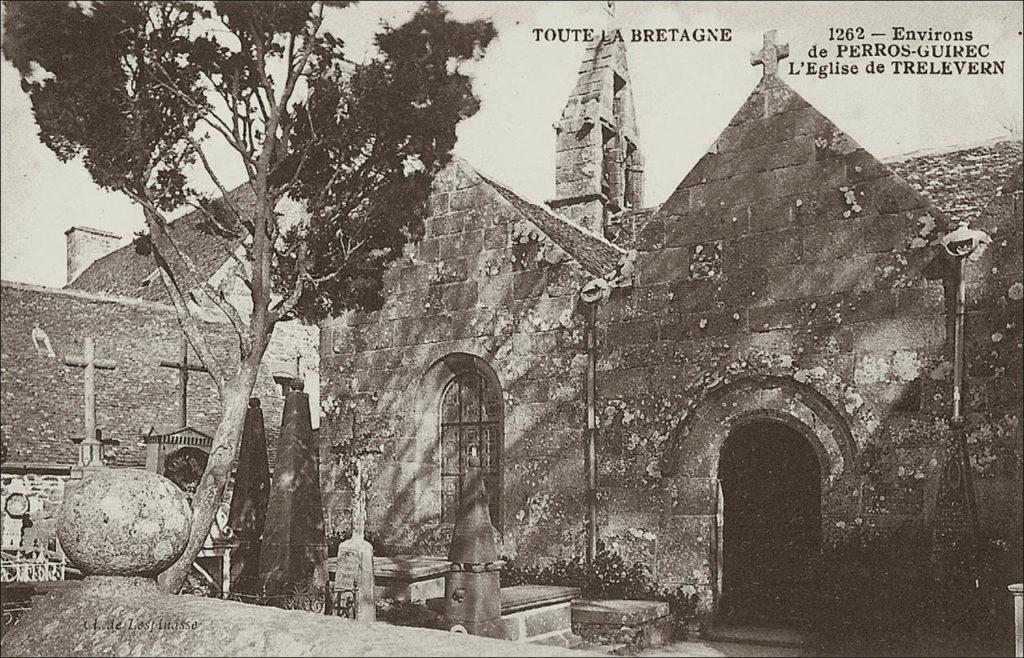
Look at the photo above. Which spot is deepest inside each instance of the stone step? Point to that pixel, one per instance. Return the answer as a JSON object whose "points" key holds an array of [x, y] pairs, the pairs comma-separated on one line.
{"points": [[632, 624], [759, 635], [618, 612]]}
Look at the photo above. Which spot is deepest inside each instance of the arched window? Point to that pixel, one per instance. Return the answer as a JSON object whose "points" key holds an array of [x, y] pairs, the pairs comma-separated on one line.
{"points": [[470, 419]]}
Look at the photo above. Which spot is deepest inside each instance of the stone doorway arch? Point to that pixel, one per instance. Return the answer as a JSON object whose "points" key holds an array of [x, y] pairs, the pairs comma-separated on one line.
{"points": [[768, 524], [693, 514]]}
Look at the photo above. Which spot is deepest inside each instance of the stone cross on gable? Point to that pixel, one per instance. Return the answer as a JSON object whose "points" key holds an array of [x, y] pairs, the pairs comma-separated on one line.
{"points": [[183, 367], [770, 54], [89, 452]]}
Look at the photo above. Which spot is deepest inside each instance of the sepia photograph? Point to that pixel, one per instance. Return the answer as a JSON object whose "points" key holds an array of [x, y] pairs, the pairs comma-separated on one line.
{"points": [[539, 328]]}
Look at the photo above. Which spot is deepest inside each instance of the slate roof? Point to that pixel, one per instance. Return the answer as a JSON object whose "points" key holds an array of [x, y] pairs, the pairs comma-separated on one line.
{"points": [[129, 273], [596, 254], [132, 274], [961, 180]]}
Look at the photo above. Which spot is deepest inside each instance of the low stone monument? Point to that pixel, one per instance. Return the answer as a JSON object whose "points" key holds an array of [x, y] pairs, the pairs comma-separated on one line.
{"points": [[360, 555], [472, 590], [120, 528]]}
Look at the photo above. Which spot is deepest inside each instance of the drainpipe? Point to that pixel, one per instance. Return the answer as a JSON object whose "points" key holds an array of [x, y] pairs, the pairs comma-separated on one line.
{"points": [[590, 310], [961, 243]]}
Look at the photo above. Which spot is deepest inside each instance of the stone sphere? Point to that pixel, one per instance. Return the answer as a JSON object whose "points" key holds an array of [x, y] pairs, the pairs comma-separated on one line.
{"points": [[123, 522]]}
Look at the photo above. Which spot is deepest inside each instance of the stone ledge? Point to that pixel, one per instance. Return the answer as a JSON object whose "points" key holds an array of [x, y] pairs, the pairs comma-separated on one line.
{"points": [[526, 597], [79, 623], [618, 612]]}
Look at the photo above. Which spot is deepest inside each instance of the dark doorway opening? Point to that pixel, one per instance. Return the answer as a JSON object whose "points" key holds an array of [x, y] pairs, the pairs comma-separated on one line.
{"points": [[771, 518]]}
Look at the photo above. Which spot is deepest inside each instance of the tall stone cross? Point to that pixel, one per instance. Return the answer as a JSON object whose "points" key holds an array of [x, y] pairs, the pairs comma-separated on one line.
{"points": [[183, 367], [770, 54], [90, 451]]}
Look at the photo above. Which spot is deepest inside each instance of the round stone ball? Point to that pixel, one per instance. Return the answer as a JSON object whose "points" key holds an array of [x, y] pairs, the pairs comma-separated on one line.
{"points": [[123, 522]]}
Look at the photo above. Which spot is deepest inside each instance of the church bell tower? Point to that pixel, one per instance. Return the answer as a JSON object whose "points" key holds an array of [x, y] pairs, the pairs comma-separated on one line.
{"points": [[598, 165]]}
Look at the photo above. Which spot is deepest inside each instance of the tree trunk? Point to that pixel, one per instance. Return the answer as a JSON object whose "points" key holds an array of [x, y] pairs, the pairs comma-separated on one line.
{"points": [[210, 492]]}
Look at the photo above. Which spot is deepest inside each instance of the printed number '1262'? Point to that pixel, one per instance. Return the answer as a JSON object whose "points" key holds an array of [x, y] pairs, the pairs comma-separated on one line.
{"points": [[845, 33]]}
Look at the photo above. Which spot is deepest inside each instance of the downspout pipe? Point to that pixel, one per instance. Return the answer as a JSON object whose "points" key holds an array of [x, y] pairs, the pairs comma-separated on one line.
{"points": [[590, 448], [961, 244]]}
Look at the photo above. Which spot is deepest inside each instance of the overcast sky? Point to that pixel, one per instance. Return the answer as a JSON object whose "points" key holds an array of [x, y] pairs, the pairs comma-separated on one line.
{"points": [[685, 94]]}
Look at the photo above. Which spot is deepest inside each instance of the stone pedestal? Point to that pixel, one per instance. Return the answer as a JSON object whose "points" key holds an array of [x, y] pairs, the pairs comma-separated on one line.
{"points": [[1017, 589]]}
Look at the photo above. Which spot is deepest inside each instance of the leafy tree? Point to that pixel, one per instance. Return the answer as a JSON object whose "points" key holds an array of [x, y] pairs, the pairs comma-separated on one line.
{"points": [[141, 91]]}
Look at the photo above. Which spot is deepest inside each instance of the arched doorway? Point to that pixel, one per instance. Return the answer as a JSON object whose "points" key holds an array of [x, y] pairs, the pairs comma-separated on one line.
{"points": [[770, 523]]}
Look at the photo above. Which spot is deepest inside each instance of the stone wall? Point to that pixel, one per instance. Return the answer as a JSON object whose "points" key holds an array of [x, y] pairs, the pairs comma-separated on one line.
{"points": [[82, 623], [481, 283], [43, 398], [792, 277]]}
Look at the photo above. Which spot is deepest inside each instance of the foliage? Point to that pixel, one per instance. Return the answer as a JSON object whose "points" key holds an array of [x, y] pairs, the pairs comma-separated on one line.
{"points": [[886, 594], [380, 547], [607, 577], [144, 92]]}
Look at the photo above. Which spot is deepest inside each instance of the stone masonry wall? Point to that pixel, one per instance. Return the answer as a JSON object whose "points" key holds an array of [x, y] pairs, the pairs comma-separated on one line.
{"points": [[485, 283], [791, 275], [43, 399]]}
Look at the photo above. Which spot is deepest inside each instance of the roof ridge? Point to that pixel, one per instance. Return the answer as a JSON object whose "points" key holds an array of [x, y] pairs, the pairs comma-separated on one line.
{"points": [[953, 148], [546, 208]]}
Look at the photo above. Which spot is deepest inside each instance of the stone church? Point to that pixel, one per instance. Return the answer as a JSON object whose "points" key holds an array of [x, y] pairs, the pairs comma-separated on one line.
{"points": [[725, 386]]}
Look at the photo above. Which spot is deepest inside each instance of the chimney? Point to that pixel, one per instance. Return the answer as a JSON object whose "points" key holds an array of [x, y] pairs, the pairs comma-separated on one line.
{"points": [[86, 245]]}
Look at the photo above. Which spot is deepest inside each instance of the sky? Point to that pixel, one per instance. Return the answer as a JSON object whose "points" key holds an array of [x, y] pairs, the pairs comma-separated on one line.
{"points": [[685, 94]]}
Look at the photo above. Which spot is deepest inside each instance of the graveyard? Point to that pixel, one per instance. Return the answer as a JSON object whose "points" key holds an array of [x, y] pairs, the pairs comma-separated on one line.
{"points": [[369, 400]]}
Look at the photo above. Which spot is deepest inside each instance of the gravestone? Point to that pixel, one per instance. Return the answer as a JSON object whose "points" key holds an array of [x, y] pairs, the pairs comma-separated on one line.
{"points": [[90, 449], [183, 367], [357, 552], [249, 500], [293, 553]]}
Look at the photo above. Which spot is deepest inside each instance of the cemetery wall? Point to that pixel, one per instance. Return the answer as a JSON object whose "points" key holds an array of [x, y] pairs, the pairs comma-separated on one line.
{"points": [[481, 290], [42, 399]]}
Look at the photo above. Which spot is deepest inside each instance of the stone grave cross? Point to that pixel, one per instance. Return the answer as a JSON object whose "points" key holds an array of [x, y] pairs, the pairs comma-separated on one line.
{"points": [[183, 367], [90, 451], [770, 54]]}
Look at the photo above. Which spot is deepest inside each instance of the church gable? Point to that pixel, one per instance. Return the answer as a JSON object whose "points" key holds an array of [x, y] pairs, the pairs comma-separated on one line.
{"points": [[785, 190], [486, 301]]}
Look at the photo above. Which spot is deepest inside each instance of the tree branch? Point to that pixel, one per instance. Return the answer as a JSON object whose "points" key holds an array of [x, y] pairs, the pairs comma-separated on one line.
{"points": [[216, 179], [287, 304], [161, 240]]}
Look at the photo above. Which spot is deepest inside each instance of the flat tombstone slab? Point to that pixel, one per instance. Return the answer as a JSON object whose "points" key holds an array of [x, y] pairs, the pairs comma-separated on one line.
{"points": [[406, 577], [618, 612], [410, 568], [525, 597]]}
